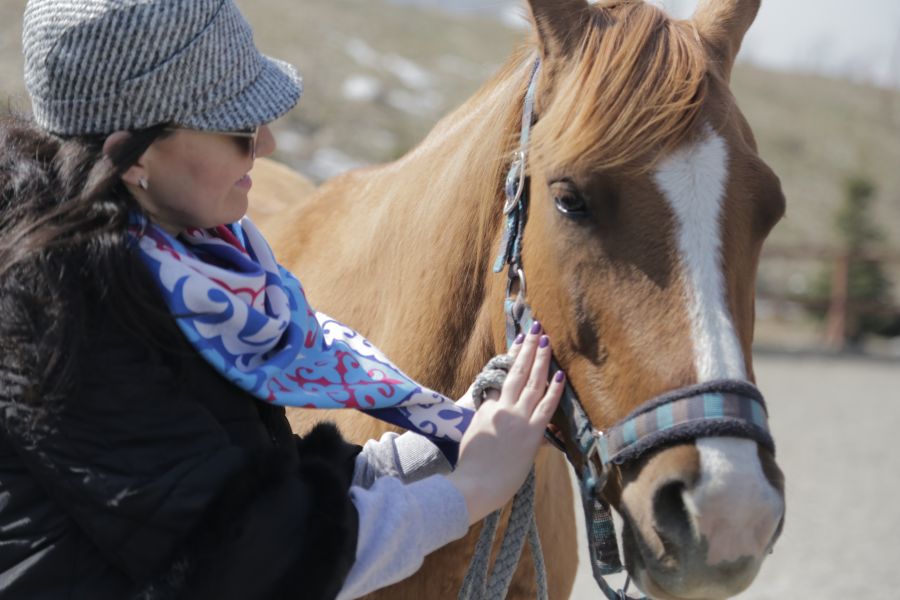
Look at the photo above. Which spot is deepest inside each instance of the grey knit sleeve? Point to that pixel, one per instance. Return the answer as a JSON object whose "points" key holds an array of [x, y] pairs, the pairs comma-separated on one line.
{"points": [[400, 524], [409, 457]]}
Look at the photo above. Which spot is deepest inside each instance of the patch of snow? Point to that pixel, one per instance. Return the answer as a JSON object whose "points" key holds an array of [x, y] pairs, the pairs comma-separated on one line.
{"points": [[362, 88], [408, 72], [412, 75], [362, 53]]}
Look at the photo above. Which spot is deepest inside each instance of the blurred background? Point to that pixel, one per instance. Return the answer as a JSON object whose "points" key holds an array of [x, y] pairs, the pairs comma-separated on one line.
{"points": [[819, 82]]}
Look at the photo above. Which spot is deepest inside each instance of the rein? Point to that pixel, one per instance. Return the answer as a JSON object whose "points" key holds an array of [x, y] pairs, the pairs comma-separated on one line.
{"points": [[718, 408]]}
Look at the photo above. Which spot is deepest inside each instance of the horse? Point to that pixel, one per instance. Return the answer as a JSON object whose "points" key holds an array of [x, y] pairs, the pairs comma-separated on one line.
{"points": [[649, 207]]}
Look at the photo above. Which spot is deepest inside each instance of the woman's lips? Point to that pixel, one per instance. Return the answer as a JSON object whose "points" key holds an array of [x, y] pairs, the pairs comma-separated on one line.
{"points": [[245, 182]]}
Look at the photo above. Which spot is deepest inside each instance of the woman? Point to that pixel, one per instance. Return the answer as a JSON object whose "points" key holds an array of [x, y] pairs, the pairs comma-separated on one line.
{"points": [[141, 454]]}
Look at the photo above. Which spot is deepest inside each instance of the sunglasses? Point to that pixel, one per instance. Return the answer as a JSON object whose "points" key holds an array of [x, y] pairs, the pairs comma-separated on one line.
{"points": [[246, 137]]}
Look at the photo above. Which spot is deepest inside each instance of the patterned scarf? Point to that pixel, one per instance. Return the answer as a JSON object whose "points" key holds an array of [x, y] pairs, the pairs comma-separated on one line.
{"points": [[249, 318]]}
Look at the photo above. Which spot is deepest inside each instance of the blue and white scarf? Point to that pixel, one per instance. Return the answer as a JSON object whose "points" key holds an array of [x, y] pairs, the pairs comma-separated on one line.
{"points": [[249, 318]]}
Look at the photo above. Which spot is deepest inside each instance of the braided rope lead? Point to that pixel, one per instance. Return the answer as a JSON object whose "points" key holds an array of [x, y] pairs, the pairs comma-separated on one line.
{"points": [[476, 576], [537, 555], [520, 522], [491, 377], [521, 526]]}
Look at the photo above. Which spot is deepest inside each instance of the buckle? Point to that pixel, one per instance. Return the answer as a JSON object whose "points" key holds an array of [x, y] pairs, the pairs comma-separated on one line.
{"points": [[515, 182], [516, 274], [596, 473]]}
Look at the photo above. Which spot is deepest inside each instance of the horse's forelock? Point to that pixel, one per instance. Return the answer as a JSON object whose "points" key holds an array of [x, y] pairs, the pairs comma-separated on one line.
{"points": [[631, 95]]}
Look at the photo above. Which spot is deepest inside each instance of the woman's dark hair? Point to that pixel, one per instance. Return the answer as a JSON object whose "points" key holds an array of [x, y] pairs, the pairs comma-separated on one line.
{"points": [[64, 251]]}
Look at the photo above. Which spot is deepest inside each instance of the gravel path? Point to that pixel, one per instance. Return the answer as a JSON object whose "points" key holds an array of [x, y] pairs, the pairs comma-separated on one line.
{"points": [[834, 421]]}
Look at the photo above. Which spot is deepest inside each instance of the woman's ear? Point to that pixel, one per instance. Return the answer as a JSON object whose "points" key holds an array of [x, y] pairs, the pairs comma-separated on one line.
{"points": [[113, 140], [136, 173]]}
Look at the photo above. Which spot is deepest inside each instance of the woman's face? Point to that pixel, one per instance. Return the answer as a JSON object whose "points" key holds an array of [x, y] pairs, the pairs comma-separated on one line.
{"points": [[196, 179]]}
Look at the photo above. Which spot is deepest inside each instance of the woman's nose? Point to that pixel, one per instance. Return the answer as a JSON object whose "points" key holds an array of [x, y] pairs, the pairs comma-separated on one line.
{"points": [[265, 142]]}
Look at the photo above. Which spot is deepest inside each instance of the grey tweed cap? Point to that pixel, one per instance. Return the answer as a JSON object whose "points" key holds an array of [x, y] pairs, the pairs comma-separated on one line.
{"points": [[98, 66]]}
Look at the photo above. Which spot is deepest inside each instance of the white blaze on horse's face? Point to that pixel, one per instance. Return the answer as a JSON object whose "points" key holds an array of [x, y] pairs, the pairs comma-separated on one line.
{"points": [[693, 181], [732, 483]]}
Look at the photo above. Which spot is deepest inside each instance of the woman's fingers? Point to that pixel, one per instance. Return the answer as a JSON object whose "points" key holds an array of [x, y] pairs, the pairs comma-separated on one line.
{"points": [[544, 410], [537, 379], [516, 346], [503, 437], [521, 368], [527, 379]]}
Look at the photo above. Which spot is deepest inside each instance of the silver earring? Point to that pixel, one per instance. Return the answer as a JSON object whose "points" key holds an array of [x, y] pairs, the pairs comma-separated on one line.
{"points": [[143, 183]]}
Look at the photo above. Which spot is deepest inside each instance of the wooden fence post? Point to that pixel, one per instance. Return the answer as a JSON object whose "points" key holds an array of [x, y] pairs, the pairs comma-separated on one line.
{"points": [[837, 320]]}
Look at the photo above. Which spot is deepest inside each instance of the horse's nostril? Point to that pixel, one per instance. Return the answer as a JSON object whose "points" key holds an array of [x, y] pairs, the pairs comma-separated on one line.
{"points": [[671, 517]]}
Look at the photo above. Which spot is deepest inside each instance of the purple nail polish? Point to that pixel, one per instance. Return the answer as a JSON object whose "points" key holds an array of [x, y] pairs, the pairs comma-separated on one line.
{"points": [[545, 341], [559, 376], [519, 339], [536, 328]]}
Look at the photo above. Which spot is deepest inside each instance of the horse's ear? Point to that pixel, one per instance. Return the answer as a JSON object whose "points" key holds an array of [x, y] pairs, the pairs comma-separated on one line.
{"points": [[560, 25], [723, 24]]}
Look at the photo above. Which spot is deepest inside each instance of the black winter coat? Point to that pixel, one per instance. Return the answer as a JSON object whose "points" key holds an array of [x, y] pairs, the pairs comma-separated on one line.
{"points": [[157, 478]]}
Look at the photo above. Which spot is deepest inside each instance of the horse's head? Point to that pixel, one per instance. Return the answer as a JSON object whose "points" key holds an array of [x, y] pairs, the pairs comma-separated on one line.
{"points": [[649, 206]]}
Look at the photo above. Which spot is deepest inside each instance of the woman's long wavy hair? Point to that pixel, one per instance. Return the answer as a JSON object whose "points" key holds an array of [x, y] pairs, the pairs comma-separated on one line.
{"points": [[65, 252]]}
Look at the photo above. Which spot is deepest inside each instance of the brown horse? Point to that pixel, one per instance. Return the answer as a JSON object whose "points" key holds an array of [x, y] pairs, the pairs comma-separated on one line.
{"points": [[649, 206]]}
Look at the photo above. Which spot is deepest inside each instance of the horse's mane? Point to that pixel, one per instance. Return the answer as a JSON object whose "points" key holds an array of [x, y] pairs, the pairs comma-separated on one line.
{"points": [[633, 94]]}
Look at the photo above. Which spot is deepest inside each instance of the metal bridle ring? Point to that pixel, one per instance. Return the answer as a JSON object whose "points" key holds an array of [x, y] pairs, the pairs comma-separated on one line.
{"points": [[517, 275], [518, 164]]}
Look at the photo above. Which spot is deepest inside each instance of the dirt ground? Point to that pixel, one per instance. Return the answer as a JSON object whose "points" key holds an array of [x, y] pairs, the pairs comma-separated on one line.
{"points": [[836, 423]]}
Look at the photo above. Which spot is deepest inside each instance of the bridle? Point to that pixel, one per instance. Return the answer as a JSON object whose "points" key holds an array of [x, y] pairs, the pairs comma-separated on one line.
{"points": [[718, 408]]}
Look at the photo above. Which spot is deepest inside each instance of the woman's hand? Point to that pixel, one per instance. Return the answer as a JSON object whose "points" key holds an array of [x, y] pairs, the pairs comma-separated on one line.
{"points": [[499, 447], [467, 401]]}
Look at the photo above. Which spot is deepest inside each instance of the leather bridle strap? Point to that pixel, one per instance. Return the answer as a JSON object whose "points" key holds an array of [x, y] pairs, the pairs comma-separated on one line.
{"points": [[603, 548], [602, 544]]}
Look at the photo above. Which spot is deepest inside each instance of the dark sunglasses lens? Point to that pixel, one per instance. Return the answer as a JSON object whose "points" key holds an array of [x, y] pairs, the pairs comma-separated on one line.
{"points": [[246, 144]]}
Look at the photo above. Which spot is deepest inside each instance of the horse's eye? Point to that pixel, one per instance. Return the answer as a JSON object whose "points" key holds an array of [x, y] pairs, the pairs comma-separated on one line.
{"points": [[568, 199]]}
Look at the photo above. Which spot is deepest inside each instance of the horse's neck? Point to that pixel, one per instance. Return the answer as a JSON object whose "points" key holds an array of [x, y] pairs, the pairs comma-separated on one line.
{"points": [[420, 235]]}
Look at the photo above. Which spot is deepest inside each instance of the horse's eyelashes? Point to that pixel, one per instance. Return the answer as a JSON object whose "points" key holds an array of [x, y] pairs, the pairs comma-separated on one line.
{"points": [[568, 199]]}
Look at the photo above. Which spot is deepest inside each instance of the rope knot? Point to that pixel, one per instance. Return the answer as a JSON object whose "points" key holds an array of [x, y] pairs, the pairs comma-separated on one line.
{"points": [[491, 377]]}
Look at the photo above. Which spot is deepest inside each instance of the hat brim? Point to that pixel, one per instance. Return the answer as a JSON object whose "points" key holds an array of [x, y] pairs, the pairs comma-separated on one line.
{"points": [[274, 92]]}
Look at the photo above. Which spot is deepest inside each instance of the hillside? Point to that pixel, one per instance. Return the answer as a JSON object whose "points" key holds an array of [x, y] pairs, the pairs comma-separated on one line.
{"points": [[379, 75]]}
